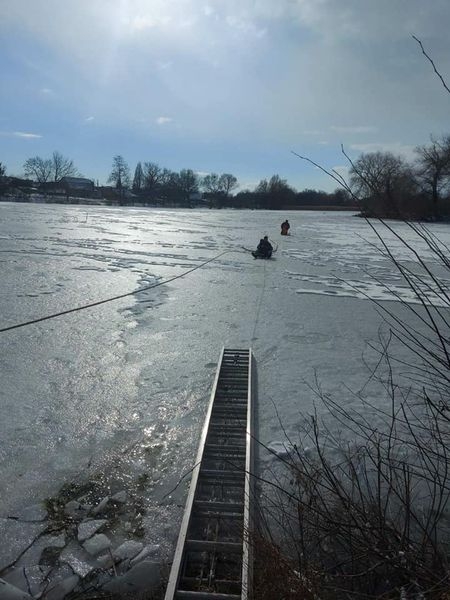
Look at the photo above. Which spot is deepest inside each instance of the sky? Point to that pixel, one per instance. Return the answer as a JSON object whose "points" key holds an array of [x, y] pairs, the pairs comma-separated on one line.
{"points": [[221, 85]]}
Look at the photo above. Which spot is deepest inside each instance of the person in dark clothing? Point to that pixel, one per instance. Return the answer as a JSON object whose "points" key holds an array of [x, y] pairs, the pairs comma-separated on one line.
{"points": [[264, 249], [285, 228]]}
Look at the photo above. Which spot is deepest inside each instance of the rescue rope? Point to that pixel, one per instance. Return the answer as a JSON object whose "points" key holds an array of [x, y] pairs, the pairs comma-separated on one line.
{"points": [[111, 299], [258, 310]]}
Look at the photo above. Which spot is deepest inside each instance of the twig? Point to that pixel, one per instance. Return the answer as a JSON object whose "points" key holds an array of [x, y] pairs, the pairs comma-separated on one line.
{"points": [[432, 63]]}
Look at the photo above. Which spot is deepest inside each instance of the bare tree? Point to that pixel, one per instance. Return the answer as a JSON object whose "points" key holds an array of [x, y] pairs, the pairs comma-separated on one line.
{"points": [[187, 183], [39, 169], [166, 177], [382, 181], [138, 180], [211, 183], [434, 167], [262, 187], [153, 176], [227, 183], [274, 193], [2, 170], [120, 174], [62, 167]]}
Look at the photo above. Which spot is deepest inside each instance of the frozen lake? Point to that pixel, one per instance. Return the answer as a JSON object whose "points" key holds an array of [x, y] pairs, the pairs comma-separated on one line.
{"points": [[121, 389]]}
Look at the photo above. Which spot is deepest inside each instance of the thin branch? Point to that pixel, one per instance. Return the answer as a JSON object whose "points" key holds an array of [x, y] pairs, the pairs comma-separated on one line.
{"points": [[432, 63]]}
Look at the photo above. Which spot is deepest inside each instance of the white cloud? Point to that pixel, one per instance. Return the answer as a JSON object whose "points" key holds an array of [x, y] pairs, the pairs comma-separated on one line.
{"points": [[140, 22], [404, 150], [245, 26], [164, 120], [23, 134], [45, 91], [20, 134], [89, 119], [162, 65], [354, 129]]}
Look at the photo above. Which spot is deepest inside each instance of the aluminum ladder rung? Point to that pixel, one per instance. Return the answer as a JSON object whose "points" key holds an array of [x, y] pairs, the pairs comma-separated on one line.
{"points": [[229, 406], [235, 360], [216, 505], [224, 413], [225, 400], [224, 475], [227, 428], [185, 595], [220, 440], [213, 546], [224, 452], [225, 406], [231, 433], [233, 458], [230, 415], [227, 447], [227, 435], [230, 418], [228, 363], [195, 580], [218, 514], [224, 403], [221, 406]]}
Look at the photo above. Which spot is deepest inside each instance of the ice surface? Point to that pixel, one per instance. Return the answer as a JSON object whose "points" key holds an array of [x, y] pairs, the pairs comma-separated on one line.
{"points": [[128, 550], [86, 529], [10, 592], [77, 558], [32, 579], [15, 538], [123, 388], [97, 544]]}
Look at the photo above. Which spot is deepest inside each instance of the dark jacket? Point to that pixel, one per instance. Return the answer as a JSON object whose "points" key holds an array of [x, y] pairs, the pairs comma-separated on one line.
{"points": [[265, 247]]}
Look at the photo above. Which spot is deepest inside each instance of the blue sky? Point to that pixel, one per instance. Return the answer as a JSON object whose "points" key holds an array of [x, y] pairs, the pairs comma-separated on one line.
{"points": [[220, 85]]}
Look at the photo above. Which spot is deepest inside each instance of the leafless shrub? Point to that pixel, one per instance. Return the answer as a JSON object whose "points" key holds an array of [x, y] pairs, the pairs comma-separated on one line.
{"points": [[364, 512]]}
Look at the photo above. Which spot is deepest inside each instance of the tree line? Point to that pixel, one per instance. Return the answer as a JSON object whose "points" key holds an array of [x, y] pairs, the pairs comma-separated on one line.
{"points": [[380, 183], [390, 186], [155, 183]]}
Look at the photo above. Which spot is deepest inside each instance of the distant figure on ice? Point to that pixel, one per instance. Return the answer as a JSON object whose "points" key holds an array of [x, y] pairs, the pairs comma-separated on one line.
{"points": [[264, 249], [285, 228]]}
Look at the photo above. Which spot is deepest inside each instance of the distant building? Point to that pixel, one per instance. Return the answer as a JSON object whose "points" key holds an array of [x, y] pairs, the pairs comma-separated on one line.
{"points": [[77, 184], [14, 188]]}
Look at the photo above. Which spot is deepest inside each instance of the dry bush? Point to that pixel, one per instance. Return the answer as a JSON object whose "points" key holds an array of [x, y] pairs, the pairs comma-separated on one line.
{"points": [[370, 518]]}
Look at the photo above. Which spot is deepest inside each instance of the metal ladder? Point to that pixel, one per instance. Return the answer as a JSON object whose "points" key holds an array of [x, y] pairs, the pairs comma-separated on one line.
{"points": [[213, 555]]}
